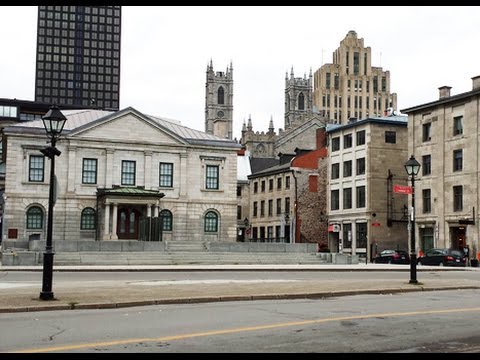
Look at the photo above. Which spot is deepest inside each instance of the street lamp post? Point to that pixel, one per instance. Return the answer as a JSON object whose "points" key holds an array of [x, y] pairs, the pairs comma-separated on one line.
{"points": [[247, 229], [412, 167], [53, 121]]}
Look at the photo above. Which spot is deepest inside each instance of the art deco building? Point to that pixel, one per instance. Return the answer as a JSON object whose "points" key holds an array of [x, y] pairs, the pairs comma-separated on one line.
{"points": [[78, 56], [351, 87]]}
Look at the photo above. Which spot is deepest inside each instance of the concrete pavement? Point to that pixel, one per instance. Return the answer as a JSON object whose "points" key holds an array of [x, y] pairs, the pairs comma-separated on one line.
{"points": [[23, 297]]}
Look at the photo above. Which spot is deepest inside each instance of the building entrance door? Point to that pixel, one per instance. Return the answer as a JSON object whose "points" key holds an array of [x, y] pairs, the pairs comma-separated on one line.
{"points": [[127, 223], [457, 237]]}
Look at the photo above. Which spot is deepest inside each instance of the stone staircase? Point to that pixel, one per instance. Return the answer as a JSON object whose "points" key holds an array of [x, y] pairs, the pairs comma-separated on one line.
{"points": [[182, 246], [184, 258]]}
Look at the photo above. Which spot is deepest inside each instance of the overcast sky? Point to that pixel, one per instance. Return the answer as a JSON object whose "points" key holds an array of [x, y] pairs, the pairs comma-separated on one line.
{"points": [[165, 51]]}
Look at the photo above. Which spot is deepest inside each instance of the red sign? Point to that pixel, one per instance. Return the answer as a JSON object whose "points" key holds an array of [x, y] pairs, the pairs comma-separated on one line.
{"points": [[400, 189], [376, 223]]}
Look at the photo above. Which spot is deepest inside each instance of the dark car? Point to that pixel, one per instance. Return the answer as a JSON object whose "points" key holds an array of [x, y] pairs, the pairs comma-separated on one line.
{"points": [[392, 257], [443, 257]]}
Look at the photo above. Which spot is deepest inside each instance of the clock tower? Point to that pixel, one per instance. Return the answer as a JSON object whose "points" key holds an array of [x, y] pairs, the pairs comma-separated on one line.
{"points": [[219, 102]]}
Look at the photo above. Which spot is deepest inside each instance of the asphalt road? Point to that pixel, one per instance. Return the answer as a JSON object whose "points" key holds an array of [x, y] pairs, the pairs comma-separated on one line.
{"points": [[426, 321]]}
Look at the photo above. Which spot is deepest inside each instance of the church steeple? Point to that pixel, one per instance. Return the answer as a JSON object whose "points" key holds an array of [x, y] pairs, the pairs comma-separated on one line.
{"points": [[270, 126], [219, 102]]}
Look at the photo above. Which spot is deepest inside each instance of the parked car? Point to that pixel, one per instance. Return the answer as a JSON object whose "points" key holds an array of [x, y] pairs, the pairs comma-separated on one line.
{"points": [[392, 257], [443, 257]]}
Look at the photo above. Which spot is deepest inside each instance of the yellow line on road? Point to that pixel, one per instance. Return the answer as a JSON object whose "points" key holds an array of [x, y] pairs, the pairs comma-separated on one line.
{"points": [[66, 348]]}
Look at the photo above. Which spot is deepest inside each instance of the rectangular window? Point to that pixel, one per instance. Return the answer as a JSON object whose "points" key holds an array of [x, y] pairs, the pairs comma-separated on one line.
{"points": [[347, 141], [269, 232], [255, 209], [128, 172], [166, 174], [255, 187], [89, 171], [335, 171], [327, 80], [239, 191], [360, 196], [426, 165], [360, 137], [270, 185], [35, 169], [336, 80], [279, 183], [335, 200], [356, 63], [270, 207], [279, 206], [361, 166], [427, 205], [287, 182], [347, 198], [457, 125], [287, 205], [212, 177], [336, 143], [390, 137], [347, 168], [347, 236], [457, 160], [426, 132], [262, 208], [263, 185], [361, 235], [239, 212], [458, 198]]}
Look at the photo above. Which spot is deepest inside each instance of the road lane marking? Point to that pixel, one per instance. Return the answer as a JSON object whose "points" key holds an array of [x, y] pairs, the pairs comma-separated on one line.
{"points": [[65, 348]]}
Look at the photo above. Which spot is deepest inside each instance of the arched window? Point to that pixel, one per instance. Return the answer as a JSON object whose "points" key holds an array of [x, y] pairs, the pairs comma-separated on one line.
{"points": [[260, 149], [34, 218], [87, 219], [301, 102], [211, 222], [221, 95], [166, 219]]}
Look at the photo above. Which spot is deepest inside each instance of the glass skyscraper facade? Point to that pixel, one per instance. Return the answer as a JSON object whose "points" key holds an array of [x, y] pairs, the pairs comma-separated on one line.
{"points": [[78, 56]]}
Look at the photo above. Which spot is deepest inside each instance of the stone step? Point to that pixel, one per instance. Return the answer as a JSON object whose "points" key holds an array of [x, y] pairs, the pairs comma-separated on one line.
{"points": [[179, 258], [185, 246]]}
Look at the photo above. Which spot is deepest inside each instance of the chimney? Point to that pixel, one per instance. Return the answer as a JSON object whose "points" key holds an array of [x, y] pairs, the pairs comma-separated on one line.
{"points": [[444, 92], [321, 138], [476, 82]]}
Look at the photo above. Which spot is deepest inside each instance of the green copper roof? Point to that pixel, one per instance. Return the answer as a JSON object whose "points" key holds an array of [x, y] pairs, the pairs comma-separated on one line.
{"points": [[130, 191]]}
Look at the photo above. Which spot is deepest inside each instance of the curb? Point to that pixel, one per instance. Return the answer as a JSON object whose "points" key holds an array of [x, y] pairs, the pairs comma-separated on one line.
{"points": [[225, 298]]}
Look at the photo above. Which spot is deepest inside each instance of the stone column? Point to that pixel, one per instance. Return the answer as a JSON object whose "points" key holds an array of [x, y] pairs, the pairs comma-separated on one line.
{"points": [[147, 181], [109, 169], [106, 230], [114, 222], [71, 169]]}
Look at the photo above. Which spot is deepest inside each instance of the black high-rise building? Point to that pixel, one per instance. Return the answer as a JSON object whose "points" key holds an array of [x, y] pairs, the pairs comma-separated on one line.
{"points": [[78, 56]]}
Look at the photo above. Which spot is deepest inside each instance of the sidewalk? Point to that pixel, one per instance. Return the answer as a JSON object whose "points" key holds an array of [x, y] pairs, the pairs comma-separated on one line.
{"points": [[120, 293]]}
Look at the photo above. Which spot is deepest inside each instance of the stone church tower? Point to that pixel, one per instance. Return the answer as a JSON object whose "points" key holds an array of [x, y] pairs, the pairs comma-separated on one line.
{"points": [[219, 102], [259, 144], [298, 98]]}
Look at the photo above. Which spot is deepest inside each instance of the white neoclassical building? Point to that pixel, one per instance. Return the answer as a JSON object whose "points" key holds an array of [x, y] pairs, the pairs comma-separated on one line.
{"points": [[120, 175]]}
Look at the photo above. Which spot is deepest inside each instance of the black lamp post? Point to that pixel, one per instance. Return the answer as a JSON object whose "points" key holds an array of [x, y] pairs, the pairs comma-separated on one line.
{"points": [[412, 167], [53, 121], [247, 228]]}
